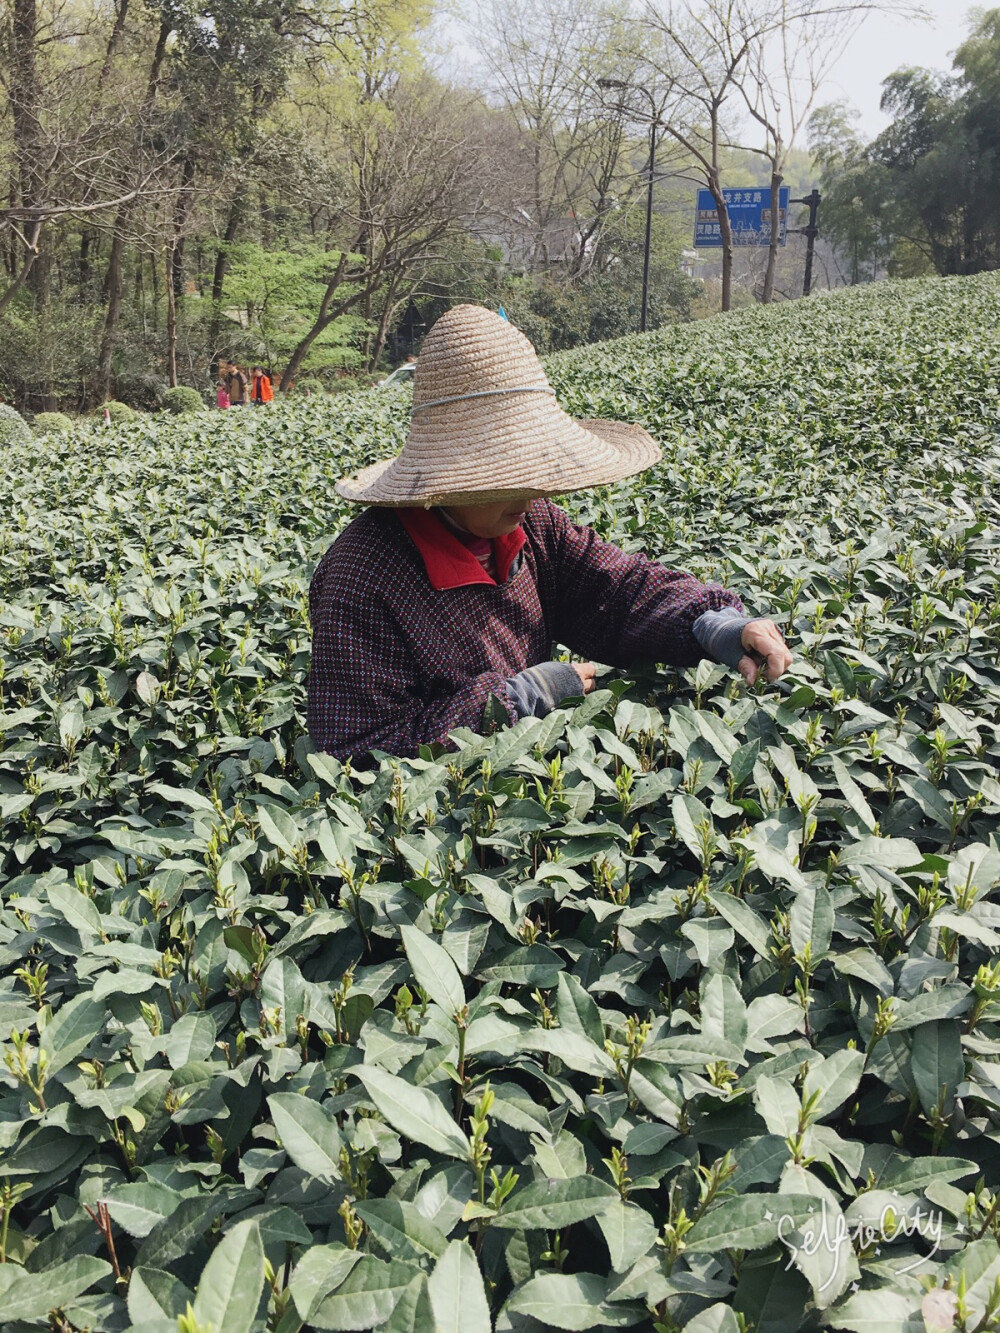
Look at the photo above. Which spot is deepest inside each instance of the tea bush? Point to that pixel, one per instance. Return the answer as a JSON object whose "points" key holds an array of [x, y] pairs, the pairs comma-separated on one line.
{"points": [[118, 411], [182, 398], [13, 427], [679, 1008], [48, 423]]}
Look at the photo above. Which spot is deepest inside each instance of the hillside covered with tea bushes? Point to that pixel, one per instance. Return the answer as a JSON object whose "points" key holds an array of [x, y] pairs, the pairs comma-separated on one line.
{"points": [[679, 1008]]}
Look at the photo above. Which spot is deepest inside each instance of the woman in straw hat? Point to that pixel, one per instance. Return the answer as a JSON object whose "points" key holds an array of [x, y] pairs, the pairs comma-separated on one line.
{"points": [[450, 589]]}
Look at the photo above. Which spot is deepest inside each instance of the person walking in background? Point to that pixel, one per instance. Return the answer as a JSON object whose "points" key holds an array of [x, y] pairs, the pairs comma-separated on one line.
{"points": [[221, 394], [261, 392], [236, 385]]}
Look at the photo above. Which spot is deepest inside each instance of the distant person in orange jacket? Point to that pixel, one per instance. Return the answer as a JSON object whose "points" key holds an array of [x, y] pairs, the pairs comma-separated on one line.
{"points": [[261, 391]]}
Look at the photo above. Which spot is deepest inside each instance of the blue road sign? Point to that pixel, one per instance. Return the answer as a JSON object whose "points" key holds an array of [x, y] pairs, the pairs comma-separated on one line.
{"points": [[749, 217]]}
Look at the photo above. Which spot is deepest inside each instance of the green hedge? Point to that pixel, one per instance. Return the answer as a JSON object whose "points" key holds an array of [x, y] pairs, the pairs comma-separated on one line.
{"points": [[181, 399], [676, 1009], [118, 411], [51, 423], [13, 427]]}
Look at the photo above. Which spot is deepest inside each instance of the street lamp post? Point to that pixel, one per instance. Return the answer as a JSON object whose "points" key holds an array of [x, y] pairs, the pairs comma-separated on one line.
{"points": [[653, 122]]}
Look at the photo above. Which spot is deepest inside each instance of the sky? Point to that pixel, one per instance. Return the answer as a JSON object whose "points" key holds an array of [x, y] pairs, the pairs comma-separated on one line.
{"points": [[882, 44], [886, 43]]}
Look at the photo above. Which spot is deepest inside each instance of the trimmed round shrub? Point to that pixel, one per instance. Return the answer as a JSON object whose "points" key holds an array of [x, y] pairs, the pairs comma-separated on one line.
{"points": [[118, 411], [51, 423], [13, 427], [312, 383], [359, 379], [182, 398]]}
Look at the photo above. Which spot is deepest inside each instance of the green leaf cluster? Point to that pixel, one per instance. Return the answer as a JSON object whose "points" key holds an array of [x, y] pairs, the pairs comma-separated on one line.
{"points": [[679, 1008]]}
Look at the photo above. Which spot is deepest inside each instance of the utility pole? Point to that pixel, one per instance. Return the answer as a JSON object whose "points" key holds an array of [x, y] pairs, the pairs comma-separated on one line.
{"points": [[810, 233], [649, 225]]}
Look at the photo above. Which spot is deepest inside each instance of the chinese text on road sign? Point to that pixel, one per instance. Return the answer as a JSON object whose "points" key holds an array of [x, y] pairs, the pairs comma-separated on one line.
{"points": [[749, 217]]}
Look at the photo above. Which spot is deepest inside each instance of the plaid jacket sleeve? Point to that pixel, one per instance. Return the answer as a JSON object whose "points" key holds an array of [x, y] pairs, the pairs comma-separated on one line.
{"points": [[362, 691], [615, 606]]}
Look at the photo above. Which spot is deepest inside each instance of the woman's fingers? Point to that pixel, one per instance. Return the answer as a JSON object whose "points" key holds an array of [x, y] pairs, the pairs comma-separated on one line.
{"points": [[766, 651], [748, 670], [587, 673]]}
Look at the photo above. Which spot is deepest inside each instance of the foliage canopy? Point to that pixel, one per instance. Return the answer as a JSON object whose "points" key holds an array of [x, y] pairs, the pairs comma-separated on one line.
{"points": [[595, 1022]]}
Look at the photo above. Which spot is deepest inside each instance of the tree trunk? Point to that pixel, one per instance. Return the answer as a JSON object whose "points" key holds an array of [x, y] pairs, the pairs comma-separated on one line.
{"points": [[40, 277], [727, 258], [113, 297], [171, 318], [26, 109], [84, 265], [181, 209], [24, 98], [772, 250], [32, 234], [175, 266], [726, 235], [385, 319], [113, 276], [114, 41], [10, 249], [325, 316], [121, 13], [368, 249], [222, 267]]}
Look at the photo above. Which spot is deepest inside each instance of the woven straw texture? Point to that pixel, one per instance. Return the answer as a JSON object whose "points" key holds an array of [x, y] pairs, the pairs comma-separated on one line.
{"points": [[502, 443]]}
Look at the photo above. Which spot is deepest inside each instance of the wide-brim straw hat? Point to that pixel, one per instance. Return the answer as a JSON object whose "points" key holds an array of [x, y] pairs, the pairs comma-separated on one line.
{"points": [[486, 426]]}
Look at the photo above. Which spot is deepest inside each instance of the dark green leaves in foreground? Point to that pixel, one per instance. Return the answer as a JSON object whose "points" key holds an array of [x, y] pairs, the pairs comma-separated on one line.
{"points": [[679, 1009]]}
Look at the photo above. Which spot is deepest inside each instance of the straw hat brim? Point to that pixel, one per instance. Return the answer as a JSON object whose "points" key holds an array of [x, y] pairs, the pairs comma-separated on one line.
{"points": [[552, 454]]}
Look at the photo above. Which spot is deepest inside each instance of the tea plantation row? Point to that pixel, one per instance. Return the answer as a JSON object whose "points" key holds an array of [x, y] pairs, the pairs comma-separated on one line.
{"points": [[676, 1009]]}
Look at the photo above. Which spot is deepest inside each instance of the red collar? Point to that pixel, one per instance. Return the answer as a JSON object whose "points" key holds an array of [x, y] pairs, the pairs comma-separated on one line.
{"points": [[449, 564]]}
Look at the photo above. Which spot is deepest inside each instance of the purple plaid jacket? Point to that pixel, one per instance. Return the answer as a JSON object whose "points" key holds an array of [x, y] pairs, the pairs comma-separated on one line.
{"points": [[398, 663]]}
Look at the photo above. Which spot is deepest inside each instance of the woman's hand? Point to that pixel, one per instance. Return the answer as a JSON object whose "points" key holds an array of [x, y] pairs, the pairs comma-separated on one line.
{"points": [[766, 651], [587, 673]]}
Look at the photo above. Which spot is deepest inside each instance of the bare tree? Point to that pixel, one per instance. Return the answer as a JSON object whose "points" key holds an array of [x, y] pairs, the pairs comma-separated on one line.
{"points": [[26, 223], [705, 48], [68, 158], [572, 172], [786, 66], [24, 93], [113, 274], [416, 169], [727, 58]]}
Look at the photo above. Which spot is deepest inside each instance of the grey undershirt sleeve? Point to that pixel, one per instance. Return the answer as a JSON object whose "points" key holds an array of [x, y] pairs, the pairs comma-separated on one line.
{"points": [[720, 634], [536, 690]]}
